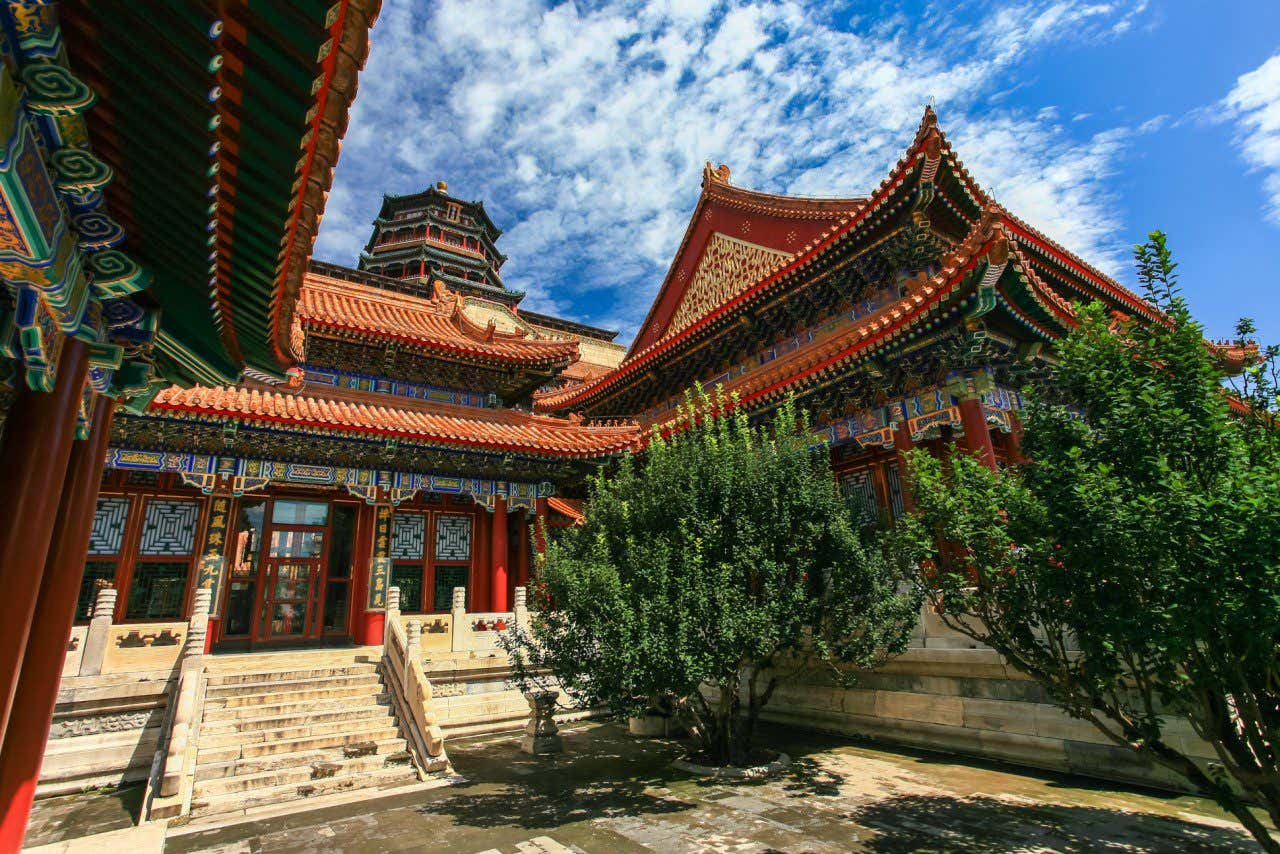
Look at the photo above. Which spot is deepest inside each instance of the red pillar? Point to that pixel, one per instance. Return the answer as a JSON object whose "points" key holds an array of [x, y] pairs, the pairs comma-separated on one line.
{"points": [[902, 442], [38, 681], [977, 438], [368, 625], [36, 447], [498, 577], [1015, 439]]}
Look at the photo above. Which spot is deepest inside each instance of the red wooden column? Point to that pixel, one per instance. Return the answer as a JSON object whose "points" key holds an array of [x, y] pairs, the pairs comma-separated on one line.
{"points": [[1015, 439], [38, 680], [34, 452], [977, 437], [368, 625], [902, 442], [498, 555]]}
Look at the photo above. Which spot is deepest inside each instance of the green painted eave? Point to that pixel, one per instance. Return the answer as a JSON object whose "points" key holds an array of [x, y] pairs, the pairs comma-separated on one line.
{"points": [[153, 67]]}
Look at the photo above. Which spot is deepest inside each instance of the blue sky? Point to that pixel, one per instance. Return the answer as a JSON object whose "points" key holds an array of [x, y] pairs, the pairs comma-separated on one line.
{"points": [[584, 127]]}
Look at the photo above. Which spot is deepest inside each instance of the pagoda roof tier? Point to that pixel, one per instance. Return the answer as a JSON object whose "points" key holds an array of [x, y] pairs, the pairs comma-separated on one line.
{"points": [[437, 325], [349, 412], [928, 204], [392, 203], [221, 123]]}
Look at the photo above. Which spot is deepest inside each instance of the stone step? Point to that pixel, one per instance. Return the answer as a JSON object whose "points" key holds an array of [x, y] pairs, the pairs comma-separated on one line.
{"points": [[268, 687], [315, 692], [381, 715], [258, 764], [293, 674], [322, 768], [239, 750], [349, 711], [221, 714], [398, 775]]}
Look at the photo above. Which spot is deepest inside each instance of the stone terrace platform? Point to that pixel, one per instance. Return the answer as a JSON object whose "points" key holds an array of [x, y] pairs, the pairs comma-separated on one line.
{"points": [[613, 793]]}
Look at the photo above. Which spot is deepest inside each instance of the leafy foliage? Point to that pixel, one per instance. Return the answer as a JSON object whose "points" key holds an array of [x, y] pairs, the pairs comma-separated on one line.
{"points": [[707, 571], [1133, 565]]}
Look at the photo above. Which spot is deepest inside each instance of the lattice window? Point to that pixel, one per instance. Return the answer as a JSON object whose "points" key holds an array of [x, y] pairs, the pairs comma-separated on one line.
{"points": [[728, 266], [408, 533], [860, 491], [157, 591], [169, 527], [453, 538], [108, 526], [895, 490]]}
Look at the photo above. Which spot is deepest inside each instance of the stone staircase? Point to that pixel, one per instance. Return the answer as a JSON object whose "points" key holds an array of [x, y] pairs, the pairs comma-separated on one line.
{"points": [[270, 735]]}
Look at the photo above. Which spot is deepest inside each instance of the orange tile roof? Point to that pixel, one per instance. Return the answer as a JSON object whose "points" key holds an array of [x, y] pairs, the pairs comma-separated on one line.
{"points": [[436, 324], [570, 507], [929, 142], [348, 411]]}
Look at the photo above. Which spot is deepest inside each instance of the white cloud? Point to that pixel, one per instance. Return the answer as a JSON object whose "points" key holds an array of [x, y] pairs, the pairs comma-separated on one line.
{"points": [[1254, 104], [584, 128]]}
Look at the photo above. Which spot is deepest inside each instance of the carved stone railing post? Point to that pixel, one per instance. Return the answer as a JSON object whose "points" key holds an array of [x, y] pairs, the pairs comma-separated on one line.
{"points": [[95, 641], [461, 631], [393, 602], [179, 760], [521, 609], [413, 644], [198, 627], [541, 736]]}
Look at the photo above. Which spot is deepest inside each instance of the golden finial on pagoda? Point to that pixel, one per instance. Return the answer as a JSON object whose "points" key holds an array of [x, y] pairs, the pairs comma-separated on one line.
{"points": [[442, 186]]}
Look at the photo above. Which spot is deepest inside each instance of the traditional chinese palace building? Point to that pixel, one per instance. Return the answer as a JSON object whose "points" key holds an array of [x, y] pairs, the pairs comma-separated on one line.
{"points": [[214, 444], [401, 451], [429, 419]]}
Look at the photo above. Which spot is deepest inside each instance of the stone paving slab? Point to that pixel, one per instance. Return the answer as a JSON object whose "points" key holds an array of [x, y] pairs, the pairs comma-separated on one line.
{"points": [[612, 793]]}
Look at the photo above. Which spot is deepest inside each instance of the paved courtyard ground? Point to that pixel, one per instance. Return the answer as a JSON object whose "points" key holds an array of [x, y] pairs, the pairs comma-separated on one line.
{"points": [[613, 793]]}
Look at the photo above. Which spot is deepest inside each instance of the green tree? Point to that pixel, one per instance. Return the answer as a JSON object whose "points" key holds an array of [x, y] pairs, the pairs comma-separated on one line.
{"points": [[724, 558], [1132, 566]]}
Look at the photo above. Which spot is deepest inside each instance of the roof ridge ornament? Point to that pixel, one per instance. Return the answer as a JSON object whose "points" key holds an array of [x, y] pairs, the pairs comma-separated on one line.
{"points": [[718, 175]]}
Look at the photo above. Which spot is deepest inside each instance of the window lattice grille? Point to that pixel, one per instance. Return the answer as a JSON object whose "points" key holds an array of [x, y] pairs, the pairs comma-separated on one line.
{"points": [[108, 526], [860, 491], [453, 538], [169, 527], [408, 532], [895, 490]]}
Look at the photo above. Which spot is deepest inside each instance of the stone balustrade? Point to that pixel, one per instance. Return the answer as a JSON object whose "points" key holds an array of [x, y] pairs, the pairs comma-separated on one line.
{"points": [[174, 770], [105, 647], [410, 689]]}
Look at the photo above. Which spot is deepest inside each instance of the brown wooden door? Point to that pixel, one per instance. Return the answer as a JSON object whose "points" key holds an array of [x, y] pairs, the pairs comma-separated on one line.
{"points": [[292, 599], [292, 579]]}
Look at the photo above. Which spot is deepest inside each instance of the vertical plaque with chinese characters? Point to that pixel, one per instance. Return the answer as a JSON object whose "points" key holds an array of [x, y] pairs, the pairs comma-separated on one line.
{"points": [[380, 571], [209, 569]]}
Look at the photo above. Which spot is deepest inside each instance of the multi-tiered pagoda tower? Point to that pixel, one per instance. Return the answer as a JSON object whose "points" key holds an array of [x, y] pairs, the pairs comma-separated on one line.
{"points": [[431, 236]]}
